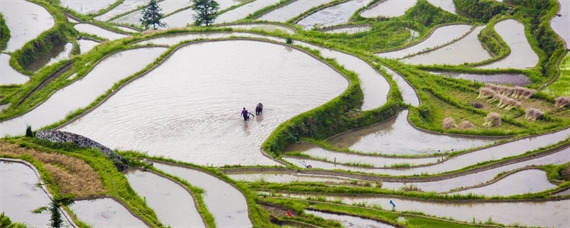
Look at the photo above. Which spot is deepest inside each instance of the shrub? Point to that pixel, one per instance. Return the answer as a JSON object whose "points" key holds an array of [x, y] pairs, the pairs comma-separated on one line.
{"points": [[493, 119], [561, 102], [466, 124], [289, 40], [533, 114], [29, 132], [448, 123]]}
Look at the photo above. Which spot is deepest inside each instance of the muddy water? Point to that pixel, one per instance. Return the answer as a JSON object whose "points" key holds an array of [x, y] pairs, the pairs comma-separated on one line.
{"points": [[386, 138], [9, 75], [20, 194], [334, 15], [374, 86], [166, 6], [124, 7], [82, 92], [25, 20], [58, 53], [350, 30], [98, 31], [86, 6], [408, 92], [105, 212], [344, 158], [284, 178], [503, 79], [289, 11], [186, 17], [482, 177], [522, 56], [161, 111], [243, 11], [438, 37], [560, 23], [349, 221], [264, 27], [226, 203], [86, 45], [526, 181], [548, 213], [388, 8], [161, 194], [466, 50], [457, 162]]}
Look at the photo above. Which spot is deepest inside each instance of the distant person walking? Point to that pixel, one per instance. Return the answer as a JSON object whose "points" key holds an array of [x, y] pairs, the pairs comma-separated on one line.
{"points": [[258, 109], [244, 114]]}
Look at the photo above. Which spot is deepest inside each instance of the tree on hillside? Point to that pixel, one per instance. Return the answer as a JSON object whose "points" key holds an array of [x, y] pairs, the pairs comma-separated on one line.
{"points": [[152, 16], [205, 11]]}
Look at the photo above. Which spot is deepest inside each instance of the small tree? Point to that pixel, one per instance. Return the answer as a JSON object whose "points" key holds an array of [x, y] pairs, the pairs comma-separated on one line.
{"points": [[152, 16], [205, 11]]}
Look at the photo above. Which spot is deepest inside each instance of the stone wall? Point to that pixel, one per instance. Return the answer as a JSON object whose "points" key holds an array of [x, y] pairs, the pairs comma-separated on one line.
{"points": [[81, 141]]}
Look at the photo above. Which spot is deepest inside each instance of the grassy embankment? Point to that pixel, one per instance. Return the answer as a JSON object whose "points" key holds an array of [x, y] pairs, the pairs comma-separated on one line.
{"points": [[561, 85], [4, 33]]}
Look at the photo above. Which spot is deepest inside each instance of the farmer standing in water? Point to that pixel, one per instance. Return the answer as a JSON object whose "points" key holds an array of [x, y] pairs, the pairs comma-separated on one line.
{"points": [[244, 113]]}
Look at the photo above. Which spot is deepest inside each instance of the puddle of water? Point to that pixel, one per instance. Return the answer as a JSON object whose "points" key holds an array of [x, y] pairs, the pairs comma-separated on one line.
{"points": [[349, 221], [81, 93], [289, 11], [9, 75], [105, 212], [161, 194], [457, 162], [58, 53], [86, 45], [522, 56], [467, 50], [20, 195], [334, 15], [350, 30], [526, 181], [408, 92], [226, 203], [124, 7], [264, 27], [243, 11], [25, 20], [503, 79], [283, 178], [86, 6], [560, 23], [483, 176], [548, 213], [386, 138], [438, 37], [374, 86], [158, 113], [98, 31], [343, 158], [388, 8]]}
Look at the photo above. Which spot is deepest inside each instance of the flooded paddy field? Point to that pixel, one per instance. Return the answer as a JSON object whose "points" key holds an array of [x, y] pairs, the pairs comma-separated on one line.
{"points": [[186, 109], [105, 212], [439, 36], [560, 21], [160, 193]]}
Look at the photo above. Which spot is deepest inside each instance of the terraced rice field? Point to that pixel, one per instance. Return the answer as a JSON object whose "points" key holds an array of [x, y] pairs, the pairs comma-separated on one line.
{"points": [[375, 114]]}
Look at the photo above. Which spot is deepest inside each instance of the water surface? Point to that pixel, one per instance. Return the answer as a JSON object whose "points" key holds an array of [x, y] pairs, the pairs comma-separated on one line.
{"points": [[186, 17], [166, 6], [105, 212], [263, 26], [440, 36], [192, 96], [85, 45], [526, 181], [86, 6], [161, 194], [334, 15], [522, 56], [8, 74], [284, 178], [466, 50], [502, 79], [26, 21], [349, 221], [290, 11], [98, 31], [349, 29], [84, 91], [408, 92], [388, 8], [560, 23], [124, 7], [224, 201], [244, 10], [56, 54]]}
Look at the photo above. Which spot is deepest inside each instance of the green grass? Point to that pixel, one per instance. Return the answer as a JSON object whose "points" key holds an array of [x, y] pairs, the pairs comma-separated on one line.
{"points": [[4, 33], [561, 85]]}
